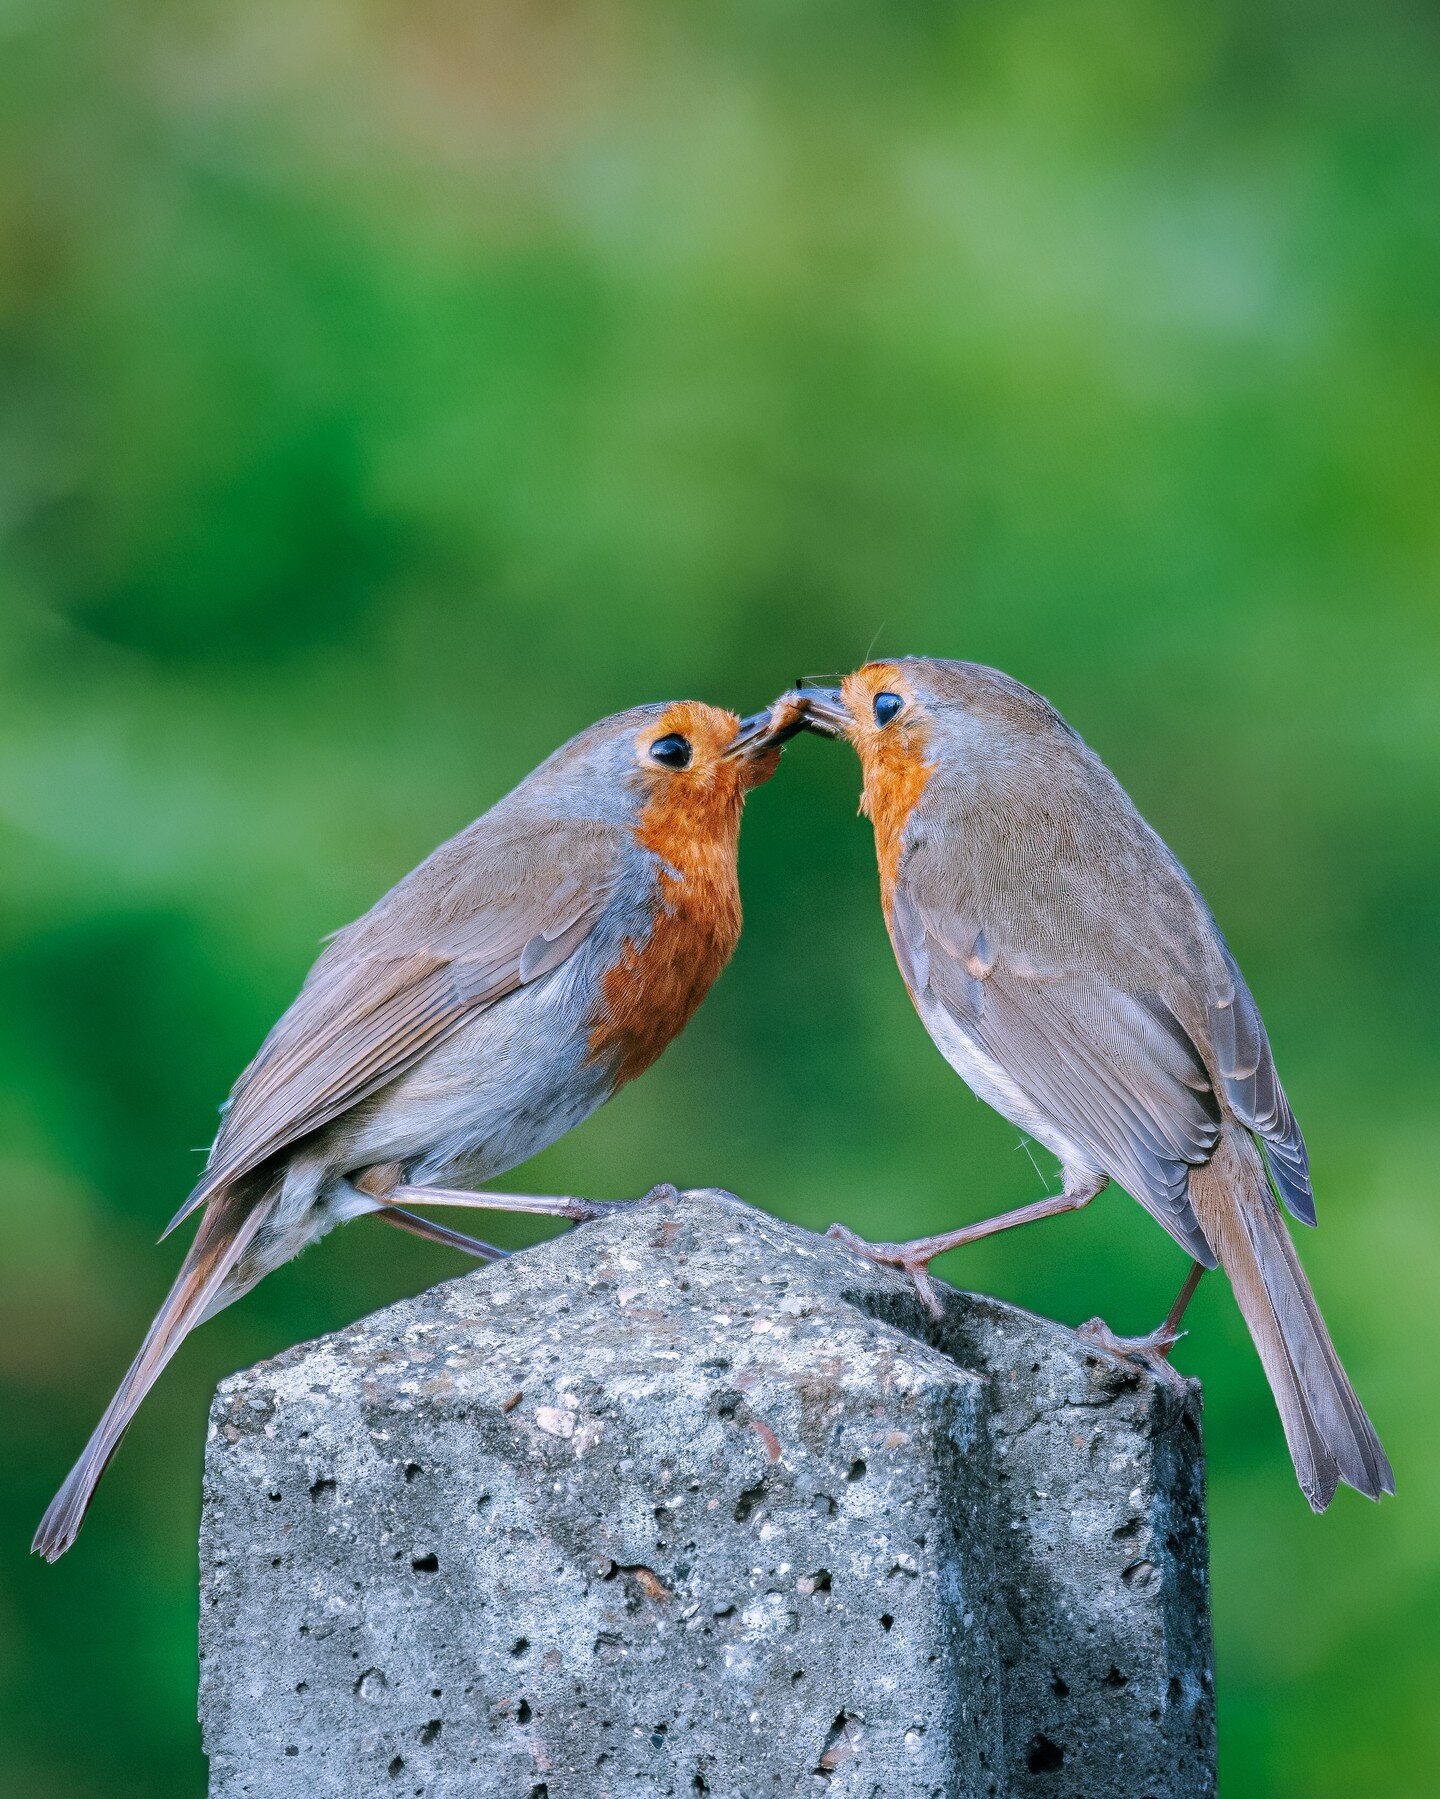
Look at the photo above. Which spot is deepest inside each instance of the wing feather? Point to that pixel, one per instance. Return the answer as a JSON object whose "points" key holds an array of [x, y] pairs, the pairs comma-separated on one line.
{"points": [[1252, 1086], [491, 917], [1115, 1072]]}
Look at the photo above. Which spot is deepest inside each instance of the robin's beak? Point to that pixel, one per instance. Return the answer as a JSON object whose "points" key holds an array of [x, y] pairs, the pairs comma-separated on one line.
{"points": [[765, 730], [824, 712]]}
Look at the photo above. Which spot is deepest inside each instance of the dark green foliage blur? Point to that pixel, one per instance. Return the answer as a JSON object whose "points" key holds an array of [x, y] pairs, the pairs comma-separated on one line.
{"points": [[388, 390]]}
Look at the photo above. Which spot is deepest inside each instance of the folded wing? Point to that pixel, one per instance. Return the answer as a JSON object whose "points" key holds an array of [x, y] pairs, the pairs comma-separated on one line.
{"points": [[1116, 1072], [408, 974]]}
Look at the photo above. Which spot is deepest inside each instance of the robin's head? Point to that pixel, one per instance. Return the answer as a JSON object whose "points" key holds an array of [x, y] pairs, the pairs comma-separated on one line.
{"points": [[708, 753], [917, 715], [681, 760], [921, 707], [886, 710]]}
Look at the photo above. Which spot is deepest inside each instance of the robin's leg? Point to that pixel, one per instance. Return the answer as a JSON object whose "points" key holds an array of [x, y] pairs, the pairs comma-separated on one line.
{"points": [[1152, 1351], [544, 1205], [915, 1258], [440, 1233]]}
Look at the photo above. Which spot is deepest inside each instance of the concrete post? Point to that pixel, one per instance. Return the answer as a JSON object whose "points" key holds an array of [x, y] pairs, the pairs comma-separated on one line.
{"points": [[692, 1502]]}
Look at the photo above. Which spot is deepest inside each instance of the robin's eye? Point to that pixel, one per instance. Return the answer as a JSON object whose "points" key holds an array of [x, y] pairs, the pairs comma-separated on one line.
{"points": [[674, 751], [886, 707]]}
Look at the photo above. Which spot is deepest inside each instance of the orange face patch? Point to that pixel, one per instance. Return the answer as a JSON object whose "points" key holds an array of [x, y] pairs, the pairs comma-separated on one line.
{"points": [[691, 821], [894, 759]]}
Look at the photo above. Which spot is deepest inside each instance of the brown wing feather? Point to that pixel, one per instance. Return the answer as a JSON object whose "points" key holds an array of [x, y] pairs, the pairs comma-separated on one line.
{"points": [[490, 911], [1246, 1067]]}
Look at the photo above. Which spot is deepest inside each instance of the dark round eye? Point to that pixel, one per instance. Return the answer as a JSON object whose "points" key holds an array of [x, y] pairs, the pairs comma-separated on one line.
{"points": [[674, 751], [886, 707]]}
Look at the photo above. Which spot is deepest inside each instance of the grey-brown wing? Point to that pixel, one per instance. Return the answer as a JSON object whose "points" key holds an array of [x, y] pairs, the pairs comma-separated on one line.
{"points": [[1251, 1085], [1116, 1073], [485, 918]]}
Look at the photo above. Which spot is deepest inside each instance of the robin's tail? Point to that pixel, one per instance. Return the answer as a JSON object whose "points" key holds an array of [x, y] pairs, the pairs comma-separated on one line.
{"points": [[204, 1285], [1330, 1437]]}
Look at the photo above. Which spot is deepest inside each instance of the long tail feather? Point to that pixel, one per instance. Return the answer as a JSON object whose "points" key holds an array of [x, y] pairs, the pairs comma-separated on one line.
{"points": [[201, 1288], [1330, 1437]]}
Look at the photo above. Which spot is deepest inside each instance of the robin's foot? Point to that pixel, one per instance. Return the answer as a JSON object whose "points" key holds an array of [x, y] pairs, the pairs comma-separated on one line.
{"points": [[913, 1258], [1152, 1352]]}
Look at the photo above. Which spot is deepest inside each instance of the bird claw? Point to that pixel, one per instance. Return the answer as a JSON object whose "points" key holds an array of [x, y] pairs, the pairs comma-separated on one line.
{"points": [[894, 1255], [1151, 1352], [587, 1211]]}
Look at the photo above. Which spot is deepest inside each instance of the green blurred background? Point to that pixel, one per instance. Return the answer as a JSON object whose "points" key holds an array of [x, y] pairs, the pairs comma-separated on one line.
{"points": [[389, 390]]}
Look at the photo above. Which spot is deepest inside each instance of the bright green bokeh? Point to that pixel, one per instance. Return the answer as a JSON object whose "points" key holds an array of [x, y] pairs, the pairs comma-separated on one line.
{"points": [[390, 390]]}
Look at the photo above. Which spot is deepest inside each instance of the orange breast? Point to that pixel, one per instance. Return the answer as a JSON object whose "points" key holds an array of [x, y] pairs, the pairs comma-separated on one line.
{"points": [[650, 994], [895, 778]]}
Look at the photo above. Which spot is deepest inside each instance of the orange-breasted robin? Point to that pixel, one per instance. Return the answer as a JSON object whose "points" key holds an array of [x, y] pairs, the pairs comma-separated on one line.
{"points": [[1069, 971], [501, 992]]}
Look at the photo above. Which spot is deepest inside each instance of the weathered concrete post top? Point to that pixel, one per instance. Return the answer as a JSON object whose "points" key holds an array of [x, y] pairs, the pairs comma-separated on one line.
{"points": [[692, 1502]]}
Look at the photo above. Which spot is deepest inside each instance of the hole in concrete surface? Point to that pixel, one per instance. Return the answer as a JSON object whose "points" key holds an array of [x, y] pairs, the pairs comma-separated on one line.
{"points": [[523, 1713], [857, 1470], [700, 1784], [748, 1500], [396, 1768], [371, 1684], [292, 1749], [1175, 1687], [1043, 1756], [520, 1645], [412, 1469], [322, 1491], [540, 1790], [275, 1496], [1058, 1687], [1115, 1678], [797, 1677], [426, 1564], [429, 1732], [435, 1692], [886, 1620], [1125, 1532], [302, 1686], [839, 1745]]}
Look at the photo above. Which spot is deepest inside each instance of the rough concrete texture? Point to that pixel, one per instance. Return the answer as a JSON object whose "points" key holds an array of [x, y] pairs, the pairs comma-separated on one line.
{"points": [[692, 1502]]}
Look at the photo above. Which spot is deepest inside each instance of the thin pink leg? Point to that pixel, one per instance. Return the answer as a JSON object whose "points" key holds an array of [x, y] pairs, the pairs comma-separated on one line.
{"points": [[915, 1257]]}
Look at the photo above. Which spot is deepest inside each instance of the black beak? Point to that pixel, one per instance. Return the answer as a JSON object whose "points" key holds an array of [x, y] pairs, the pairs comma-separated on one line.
{"points": [[760, 732], [824, 711]]}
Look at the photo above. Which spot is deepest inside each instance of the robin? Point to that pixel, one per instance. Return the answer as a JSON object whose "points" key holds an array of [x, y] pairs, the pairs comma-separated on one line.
{"points": [[505, 989], [1069, 971]]}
